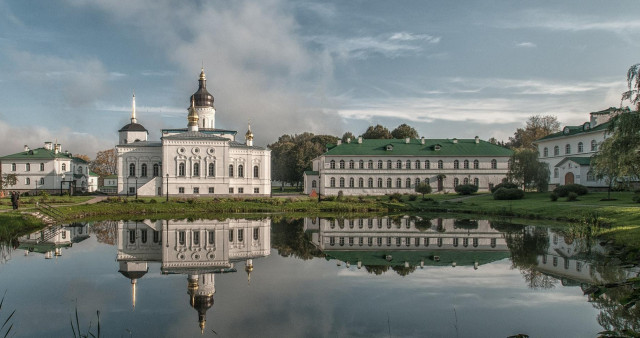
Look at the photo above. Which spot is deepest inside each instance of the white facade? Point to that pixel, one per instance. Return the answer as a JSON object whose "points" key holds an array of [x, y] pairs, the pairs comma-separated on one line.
{"points": [[198, 161]]}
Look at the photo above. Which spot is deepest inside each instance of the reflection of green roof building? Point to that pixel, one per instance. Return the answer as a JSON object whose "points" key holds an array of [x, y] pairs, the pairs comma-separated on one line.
{"points": [[418, 258], [50, 240]]}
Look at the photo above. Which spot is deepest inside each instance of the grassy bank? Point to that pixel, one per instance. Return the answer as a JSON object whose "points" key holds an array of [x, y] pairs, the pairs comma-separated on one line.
{"points": [[14, 224], [27, 202]]}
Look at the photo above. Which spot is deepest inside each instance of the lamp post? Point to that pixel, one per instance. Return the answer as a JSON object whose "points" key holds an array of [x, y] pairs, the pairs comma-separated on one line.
{"points": [[61, 180], [136, 187], [167, 187]]}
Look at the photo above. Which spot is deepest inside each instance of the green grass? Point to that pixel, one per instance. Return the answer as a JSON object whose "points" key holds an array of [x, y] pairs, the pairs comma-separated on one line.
{"points": [[13, 224], [29, 201], [275, 190]]}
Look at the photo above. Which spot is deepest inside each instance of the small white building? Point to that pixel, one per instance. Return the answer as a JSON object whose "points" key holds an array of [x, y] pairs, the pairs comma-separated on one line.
{"points": [[384, 166], [110, 184]]}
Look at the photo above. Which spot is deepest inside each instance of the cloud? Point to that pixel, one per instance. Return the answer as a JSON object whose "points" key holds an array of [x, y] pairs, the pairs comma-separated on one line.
{"points": [[559, 21], [405, 36], [526, 44]]}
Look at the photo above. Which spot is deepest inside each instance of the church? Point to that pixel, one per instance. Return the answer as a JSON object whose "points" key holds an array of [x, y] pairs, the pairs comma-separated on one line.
{"points": [[200, 160]]}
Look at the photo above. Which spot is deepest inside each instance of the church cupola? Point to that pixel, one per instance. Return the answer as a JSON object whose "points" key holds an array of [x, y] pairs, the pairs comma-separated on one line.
{"points": [[202, 98], [133, 132], [249, 136], [192, 117]]}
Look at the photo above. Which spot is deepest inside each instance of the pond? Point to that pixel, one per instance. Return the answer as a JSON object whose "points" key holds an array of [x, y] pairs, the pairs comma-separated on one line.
{"points": [[402, 276]]}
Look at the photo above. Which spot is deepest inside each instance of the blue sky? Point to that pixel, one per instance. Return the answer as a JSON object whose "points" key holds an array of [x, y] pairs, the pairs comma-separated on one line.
{"points": [[448, 68]]}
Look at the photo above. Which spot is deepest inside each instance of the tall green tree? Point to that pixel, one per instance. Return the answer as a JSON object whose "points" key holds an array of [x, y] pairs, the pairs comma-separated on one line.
{"points": [[526, 169], [377, 132], [633, 84], [8, 180], [404, 131], [348, 135], [537, 126]]}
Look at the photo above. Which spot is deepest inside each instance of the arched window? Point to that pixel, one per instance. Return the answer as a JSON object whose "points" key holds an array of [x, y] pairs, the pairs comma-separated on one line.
{"points": [[389, 164], [64, 167], [379, 164], [314, 184], [212, 169], [352, 182], [545, 152], [494, 164], [476, 182], [41, 180], [417, 164], [399, 183], [456, 164], [132, 169], [230, 170], [465, 164], [27, 181], [456, 181], [143, 170], [181, 169], [361, 164], [240, 170], [332, 164], [370, 182], [594, 145], [567, 149], [41, 166], [341, 182], [417, 182], [360, 182], [380, 182], [556, 151], [440, 164], [427, 164], [79, 168], [556, 173], [465, 180], [196, 169], [580, 147], [590, 176], [408, 184], [156, 170], [351, 164], [398, 164], [427, 180], [256, 171], [408, 165], [476, 164], [332, 182], [341, 164]]}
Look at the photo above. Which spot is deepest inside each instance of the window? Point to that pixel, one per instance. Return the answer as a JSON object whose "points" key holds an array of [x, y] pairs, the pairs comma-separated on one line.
{"points": [[465, 242], [332, 164], [465, 164], [399, 183], [361, 164], [341, 182], [333, 182], [196, 237], [417, 166], [556, 173], [256, 171], [64, 167], [256, 190], [494, 164], [341, 164], [27, 181], [494, 242], [370, 182], [256, 234], [456, 181], [132, 169], [196, 190], [567, 149], [231, 235], [180, 190], [181, 169], [182, 236], [408, 165], [143, 170], [590, 176], [370, 165], [212, 169], [389, 183], [545, 152], [556, 151], [427, 180], [240, 235], [240, 170], [476, 182], [41, 180], [380, 183], [455, 241], [240, 190], [156, 236], [398, 164], [211, 237], [132, 190], [476, 164], [211, 190], [230, 170], [389, 165], [594, 145], [41, 166], [440, 164], [456, 164], [465, 180], [417, 182], [314, 184], [427, 164], [144, 236], [156, 170], [132, 236], [196, 169], [27, 167], [352, 182], [379, 164], [231, 190], [360, 182], [580, 147], [351, 164], [408, 184]]}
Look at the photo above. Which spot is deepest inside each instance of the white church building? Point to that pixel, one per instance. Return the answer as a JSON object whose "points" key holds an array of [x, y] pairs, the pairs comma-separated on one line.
{"points": [[199, 160]]}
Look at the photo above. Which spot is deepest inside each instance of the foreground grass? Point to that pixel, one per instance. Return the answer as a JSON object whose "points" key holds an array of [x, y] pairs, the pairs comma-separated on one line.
{"points": [[27, 202], [13, 224]]}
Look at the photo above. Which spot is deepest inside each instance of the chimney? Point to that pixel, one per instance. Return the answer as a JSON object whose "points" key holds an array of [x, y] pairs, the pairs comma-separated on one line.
{"points": [[422, 140], [407, 140], [48, 146], [348, 139], [477, 140], [26, 147], [360, 140], [339, 142], [455, 140]]}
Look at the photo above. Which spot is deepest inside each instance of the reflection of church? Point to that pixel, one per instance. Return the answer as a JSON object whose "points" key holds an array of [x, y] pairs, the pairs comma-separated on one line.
{"points": [[50, 240], [408, 241], [198, 249]]}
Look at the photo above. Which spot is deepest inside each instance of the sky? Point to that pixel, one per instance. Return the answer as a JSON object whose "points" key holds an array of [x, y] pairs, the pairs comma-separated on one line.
{"points": [[450, 69]]}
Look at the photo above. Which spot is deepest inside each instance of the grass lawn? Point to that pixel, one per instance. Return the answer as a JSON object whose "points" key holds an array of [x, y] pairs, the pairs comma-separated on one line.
{"points": [[287, 190], [29, 202]]}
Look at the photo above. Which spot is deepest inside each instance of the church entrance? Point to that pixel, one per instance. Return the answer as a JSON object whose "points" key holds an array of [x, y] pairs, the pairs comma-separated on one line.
{"points": [[568, 178], [440, 184]]}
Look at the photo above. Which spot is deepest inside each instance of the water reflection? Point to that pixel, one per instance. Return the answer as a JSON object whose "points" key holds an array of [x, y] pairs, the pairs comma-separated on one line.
{"points": [[49, 241], [199, 249]]}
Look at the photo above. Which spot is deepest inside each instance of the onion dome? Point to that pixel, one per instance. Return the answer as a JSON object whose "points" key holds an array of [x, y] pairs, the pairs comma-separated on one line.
{"points": [[193, 116], [202, 303], [249, 134], [202, 98], [134, 125]]}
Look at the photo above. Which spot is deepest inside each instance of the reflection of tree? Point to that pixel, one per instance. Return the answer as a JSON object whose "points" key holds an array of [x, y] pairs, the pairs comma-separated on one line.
{"points": [[376, 269], [423, 224], [526, 244], [106, 232], [536, 279], [402, 270], [468, 224], [287, 235]]}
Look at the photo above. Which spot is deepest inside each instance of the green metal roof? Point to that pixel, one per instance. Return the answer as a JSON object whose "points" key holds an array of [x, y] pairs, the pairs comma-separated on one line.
{"points": [[111, 176], [91, 173], [311, 173], [447, 257], [78, 159], [399, 147], [575, 130], [584, 161], [37, 154]]}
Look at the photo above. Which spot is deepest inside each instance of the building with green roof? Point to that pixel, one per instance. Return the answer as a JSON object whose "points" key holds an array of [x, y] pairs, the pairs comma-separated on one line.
{"points": [[384, 166], [47, 168], [568, 152]]}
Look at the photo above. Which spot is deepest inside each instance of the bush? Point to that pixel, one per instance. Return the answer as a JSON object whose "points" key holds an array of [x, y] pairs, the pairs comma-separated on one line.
{"points": [[466, 189], [553, 196], [572, 196], [395, 197], [423, 188], [153, 201], [508, 194], [564, 190], [413, 197], [340, 195], [506, 185]]}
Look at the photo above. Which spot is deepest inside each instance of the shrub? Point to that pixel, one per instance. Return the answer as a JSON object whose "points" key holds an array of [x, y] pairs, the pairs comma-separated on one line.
{"points": [[329, 198], [340, 195], [572, 196], [423, 188], [413, 197], [564, 190], [506, 185], [508, 194], [153, 201], [553, 196], [466, 189], [395, 197]]}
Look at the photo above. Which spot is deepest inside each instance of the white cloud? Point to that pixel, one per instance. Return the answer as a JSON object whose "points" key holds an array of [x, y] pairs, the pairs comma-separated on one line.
{"points": [[558, 21], [526, 44], [406, 36]]}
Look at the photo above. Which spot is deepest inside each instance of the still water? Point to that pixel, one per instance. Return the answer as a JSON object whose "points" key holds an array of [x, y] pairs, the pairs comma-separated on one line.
{"points": [[283, 277]]}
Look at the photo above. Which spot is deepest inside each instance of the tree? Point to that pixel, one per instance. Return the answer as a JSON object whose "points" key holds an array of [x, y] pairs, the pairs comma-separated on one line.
{"points": [[281, 159], [423, 188], [537, 127], [377, 132], [633, 83], [348, 135], [527, 170], [8, 180], [404, 131], [84, 158], [105, 164]]}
